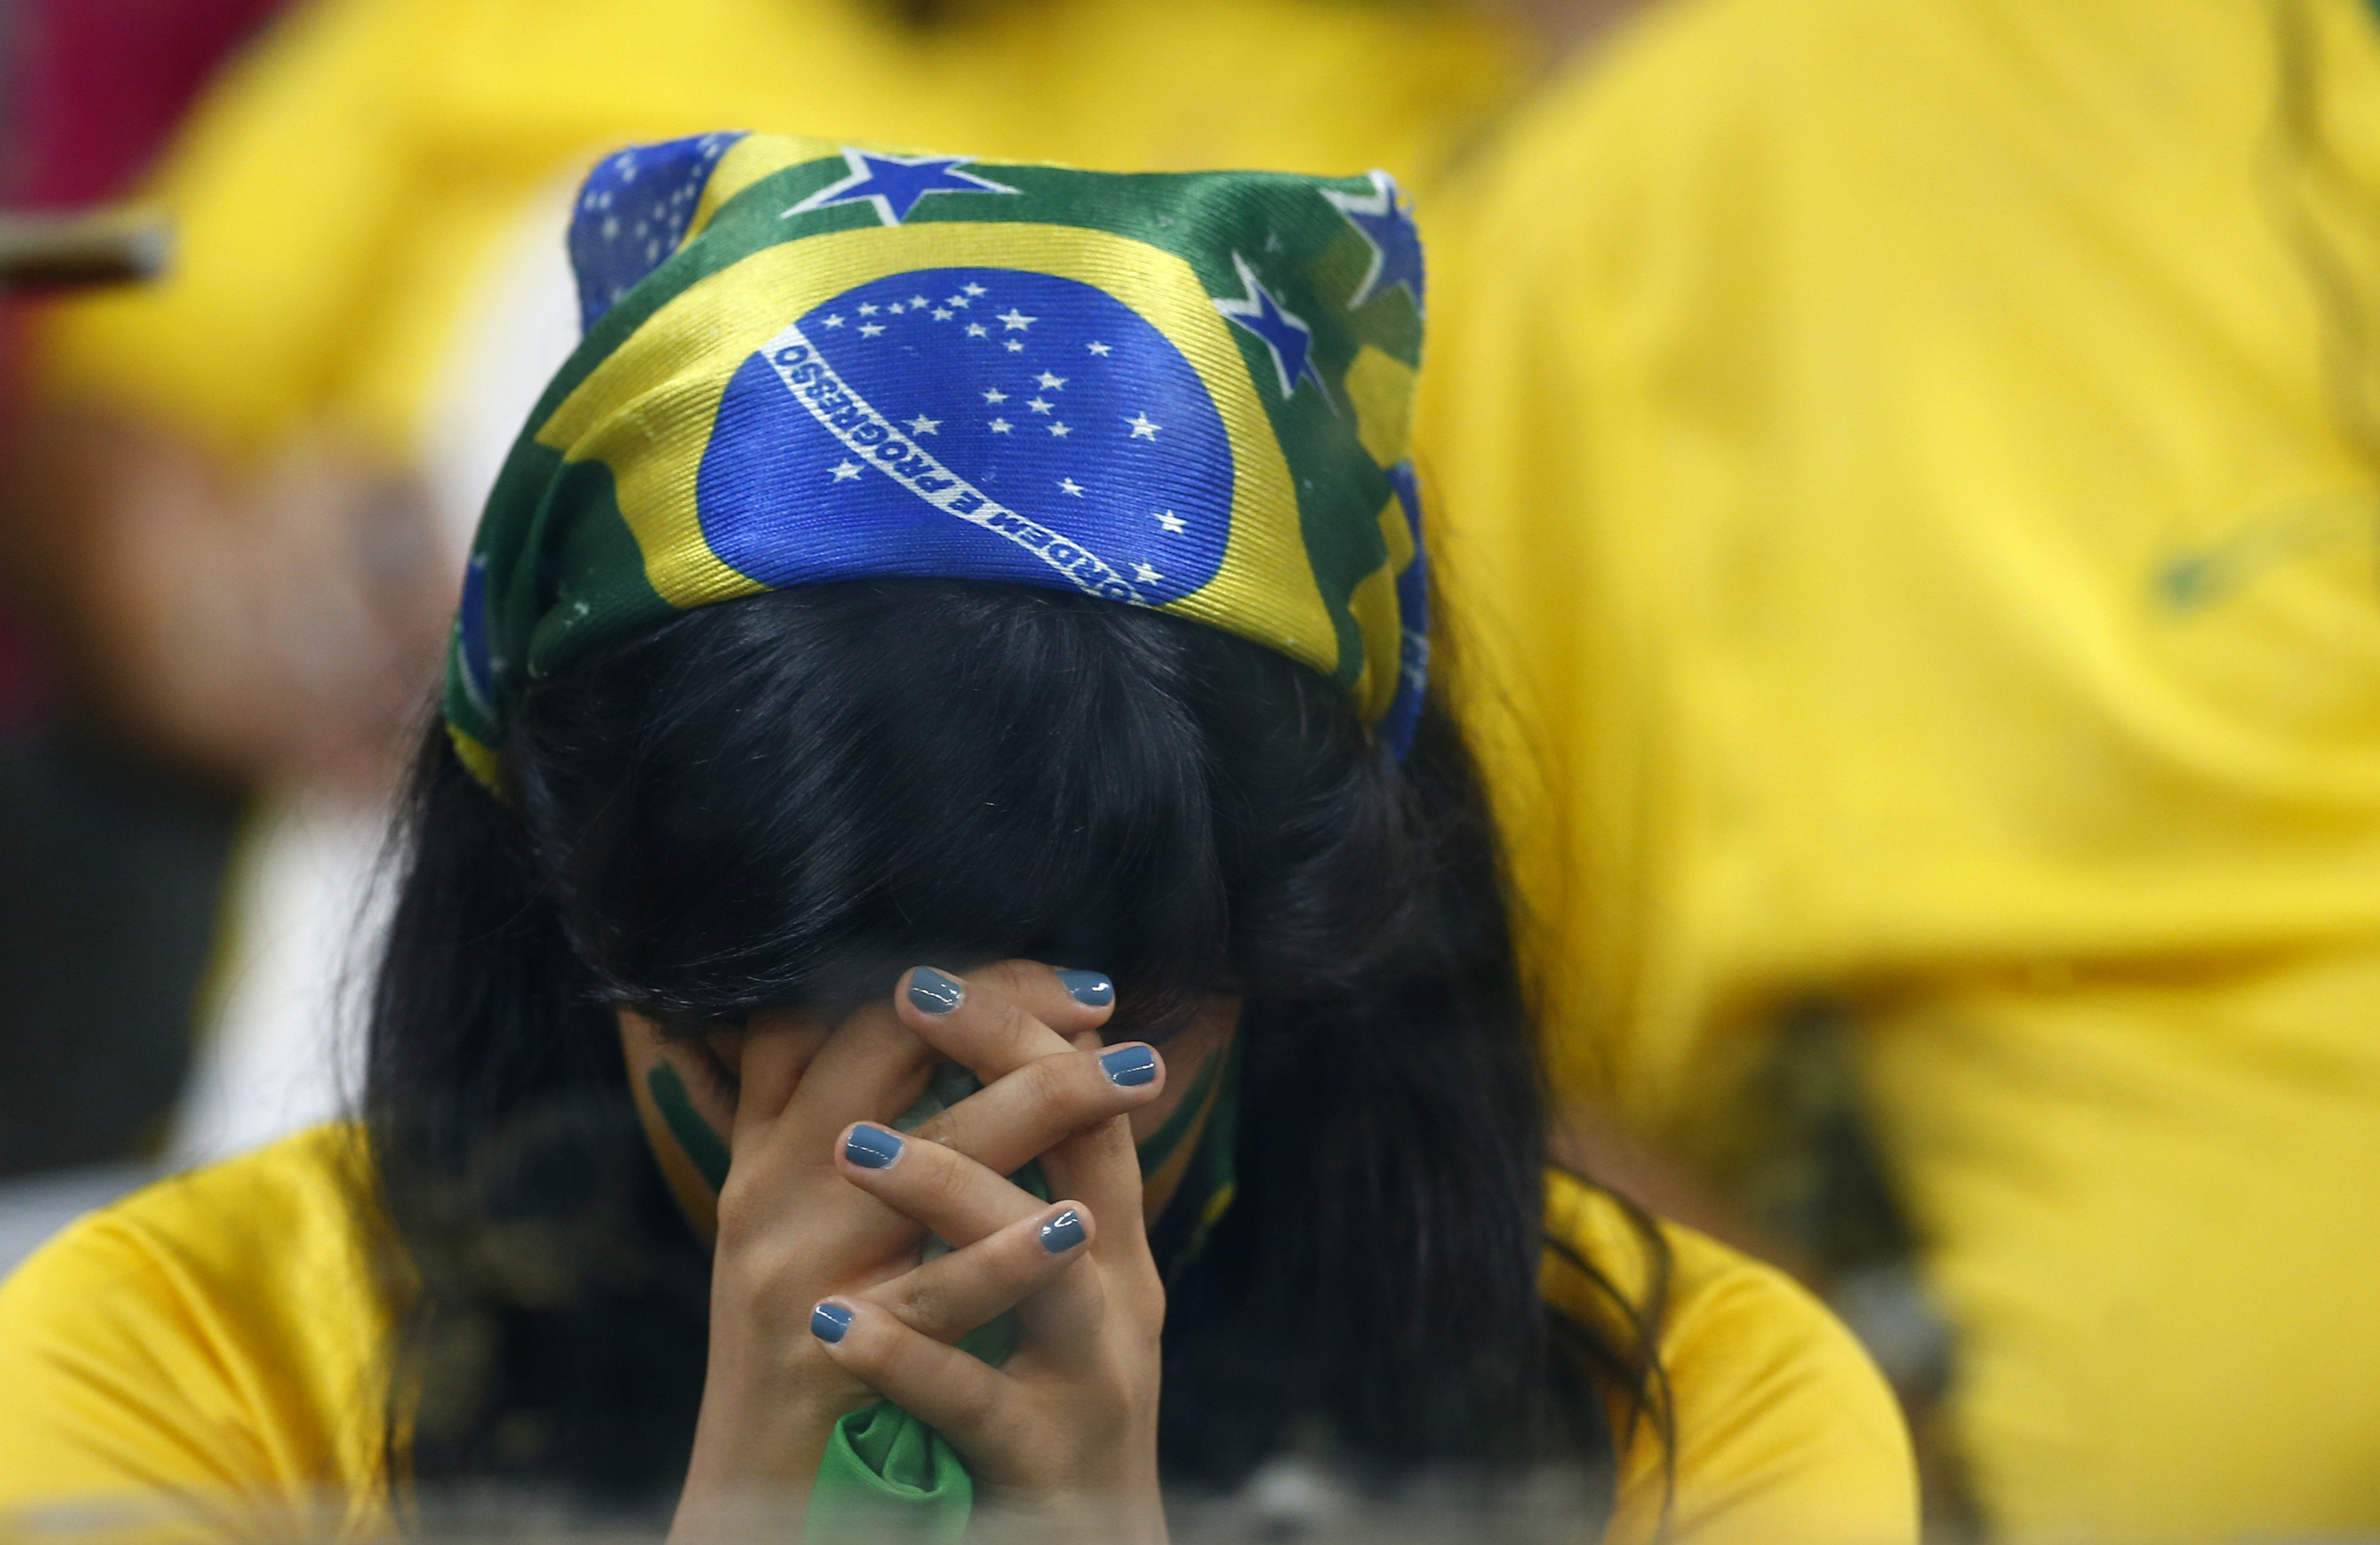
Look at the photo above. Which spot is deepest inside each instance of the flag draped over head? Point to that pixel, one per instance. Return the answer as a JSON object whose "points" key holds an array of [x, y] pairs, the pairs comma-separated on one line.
{"points": [[806, 361]]}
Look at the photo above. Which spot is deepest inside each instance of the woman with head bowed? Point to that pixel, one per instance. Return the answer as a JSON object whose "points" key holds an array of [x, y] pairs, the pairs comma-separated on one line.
{"points": [[947, 960]]}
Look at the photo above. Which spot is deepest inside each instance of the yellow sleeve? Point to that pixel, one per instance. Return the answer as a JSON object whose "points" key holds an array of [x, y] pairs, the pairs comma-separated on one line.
{"points": [[282, 189], [1786, 1434], [198, 1359], [107, 1405]]}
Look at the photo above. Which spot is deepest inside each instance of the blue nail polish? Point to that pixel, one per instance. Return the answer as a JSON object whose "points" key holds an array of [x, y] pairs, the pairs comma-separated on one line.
{"points": [[1129, 1066], [1063, 1233], [934, 993], [1091, 988], [828, 1321], [872, 1147]]}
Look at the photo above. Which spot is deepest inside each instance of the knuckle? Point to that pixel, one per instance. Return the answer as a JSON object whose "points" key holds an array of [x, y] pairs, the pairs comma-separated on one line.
{"points": [[774, 1283], [1012, 1024], [941, 1182], [975, 1402], [923, 1307], [742, 1210], [888, 1036], [1010, 976], [1056, 1082], [945, 1128]]}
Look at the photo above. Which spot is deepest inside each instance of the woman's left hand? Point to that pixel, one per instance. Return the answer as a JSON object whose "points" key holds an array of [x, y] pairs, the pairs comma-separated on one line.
{"points": [[1066, 1431]]}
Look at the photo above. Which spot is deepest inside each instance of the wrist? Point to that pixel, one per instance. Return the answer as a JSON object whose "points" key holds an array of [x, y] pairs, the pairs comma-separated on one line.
{"points": [[757, 1448]]}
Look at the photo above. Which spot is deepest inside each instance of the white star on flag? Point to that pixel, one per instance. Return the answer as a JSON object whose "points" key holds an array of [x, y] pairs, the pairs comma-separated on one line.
{"points": [[1141, 428], [961, 302], [1097, 347], [1050, 383], [1144, 574], [869, 329], [1058, 430], [998, 426], [1173, 523], [868, 309], [1038, 406], [895, 307], [919, 301], [995, 394], [835, 321], [1017, 321], [846, 471], [974, 289], [1069, 486], [941, 313], [1015, 345], [923, 425], [976, 330]]}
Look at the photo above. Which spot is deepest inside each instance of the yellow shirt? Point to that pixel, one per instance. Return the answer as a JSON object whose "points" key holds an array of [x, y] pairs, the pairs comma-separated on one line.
{"points": [[218, 1342], [1885, 447], [1908, 468], [339, 194], [1786, 1435]]}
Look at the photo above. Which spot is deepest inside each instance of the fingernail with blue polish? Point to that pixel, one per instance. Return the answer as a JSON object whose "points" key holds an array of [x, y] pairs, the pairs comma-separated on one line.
{"points": [[829, 1321], [1063, 1233], [933, 992], [872, 1147], [1129, 1066], [1091, 988]]}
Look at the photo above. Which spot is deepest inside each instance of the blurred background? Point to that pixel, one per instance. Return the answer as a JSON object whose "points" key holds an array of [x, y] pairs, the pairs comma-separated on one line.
{"points": [[114, 852], [1903, 475]]}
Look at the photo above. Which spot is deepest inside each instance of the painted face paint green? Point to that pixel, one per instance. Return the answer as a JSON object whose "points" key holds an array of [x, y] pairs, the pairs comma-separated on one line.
{"points": [[1167, 1137], [693, 1134]]}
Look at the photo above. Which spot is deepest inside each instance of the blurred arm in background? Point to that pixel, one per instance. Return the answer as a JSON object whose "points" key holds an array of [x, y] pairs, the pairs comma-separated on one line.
{"points": [[258, 626]]}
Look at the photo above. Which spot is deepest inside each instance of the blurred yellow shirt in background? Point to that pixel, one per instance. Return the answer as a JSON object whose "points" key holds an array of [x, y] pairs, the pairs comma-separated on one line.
{"points": [[209, 1361], [338, 195], [1908, 473]]}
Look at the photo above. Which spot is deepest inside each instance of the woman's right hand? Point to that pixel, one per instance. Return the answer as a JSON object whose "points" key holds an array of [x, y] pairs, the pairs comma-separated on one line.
{"points": [[794, 1231]]}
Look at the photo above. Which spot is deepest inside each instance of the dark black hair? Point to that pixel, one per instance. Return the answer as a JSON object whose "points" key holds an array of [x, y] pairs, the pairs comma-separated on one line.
{"points": [[789, 800]]}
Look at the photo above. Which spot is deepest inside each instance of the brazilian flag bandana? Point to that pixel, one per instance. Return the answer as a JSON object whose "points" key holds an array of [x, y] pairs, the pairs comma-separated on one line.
{"points": [[806, 361]]}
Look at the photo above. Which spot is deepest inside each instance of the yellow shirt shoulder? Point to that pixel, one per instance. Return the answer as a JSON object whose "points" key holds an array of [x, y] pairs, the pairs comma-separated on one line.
{"points": [[213, 1343], [219, 1342], [1784, 1430]]}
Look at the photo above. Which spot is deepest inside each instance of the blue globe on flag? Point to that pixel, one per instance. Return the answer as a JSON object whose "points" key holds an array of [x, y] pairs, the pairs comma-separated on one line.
{"points": [[989, 421]]}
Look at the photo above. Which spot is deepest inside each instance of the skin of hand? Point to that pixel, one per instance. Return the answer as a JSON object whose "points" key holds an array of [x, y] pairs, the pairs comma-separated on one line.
{"points": [[273, 628], [817, 1226]]}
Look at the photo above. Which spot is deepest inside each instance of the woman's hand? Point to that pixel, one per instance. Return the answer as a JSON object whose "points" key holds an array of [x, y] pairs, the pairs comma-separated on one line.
{"points": [[1065, 1432], [793, 1230]]}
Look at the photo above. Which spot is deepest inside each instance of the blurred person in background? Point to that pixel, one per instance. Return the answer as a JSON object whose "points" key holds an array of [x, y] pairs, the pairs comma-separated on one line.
{"points": [[1911, 469], [110, 857], [241, 497], [925, 558]]}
